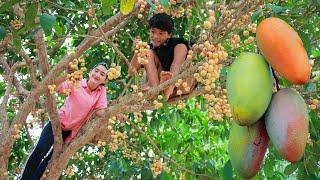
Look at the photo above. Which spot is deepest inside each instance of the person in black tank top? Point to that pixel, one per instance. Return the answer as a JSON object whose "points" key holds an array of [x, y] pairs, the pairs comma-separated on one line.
{"points": [[166, 54]]}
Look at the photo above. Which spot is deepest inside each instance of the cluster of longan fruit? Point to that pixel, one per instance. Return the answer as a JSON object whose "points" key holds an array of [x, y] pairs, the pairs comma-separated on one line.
{"points": [[69, 171], [177, 13], [114, 72], [142, 51], [134, 155], [74, 77], [39, 116], [137, 116], [118, 139], [313, 104], [134, 88], [235, 40], [16, 24], [157, 102], [210, 22], [188, 11], [157, 167], [91, 12], [217, 104], [182, 85], [209, 71], [142, 8], [78, 156], [16, 131], [181, 105], [101, 154], [159, 9], [52, 88]]}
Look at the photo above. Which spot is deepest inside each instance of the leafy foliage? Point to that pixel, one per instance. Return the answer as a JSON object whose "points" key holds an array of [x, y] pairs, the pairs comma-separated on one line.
{"points": [[191, 145]]}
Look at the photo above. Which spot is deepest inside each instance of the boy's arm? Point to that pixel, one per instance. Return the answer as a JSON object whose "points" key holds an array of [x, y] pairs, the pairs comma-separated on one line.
{"points": [[134, 65], [180, 54]]}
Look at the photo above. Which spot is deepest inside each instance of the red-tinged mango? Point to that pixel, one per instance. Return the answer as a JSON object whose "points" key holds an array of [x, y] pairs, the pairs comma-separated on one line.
{"points": [[282, 47], [249, 88], [247, 148], [287, 124]]}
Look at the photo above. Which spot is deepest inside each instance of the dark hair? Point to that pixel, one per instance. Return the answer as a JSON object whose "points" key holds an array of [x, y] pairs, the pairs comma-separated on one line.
{"points": [[162, 21], [101, 63]]}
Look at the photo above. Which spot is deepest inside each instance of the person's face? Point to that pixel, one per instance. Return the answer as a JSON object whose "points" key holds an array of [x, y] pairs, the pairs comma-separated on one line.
{"points": [[98, 75], [158, 36]]}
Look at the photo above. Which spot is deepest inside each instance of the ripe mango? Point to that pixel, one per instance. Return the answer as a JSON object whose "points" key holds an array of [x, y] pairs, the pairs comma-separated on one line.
{"points": [[287, 124], [249, 88], [247, 147], [282, 47]]}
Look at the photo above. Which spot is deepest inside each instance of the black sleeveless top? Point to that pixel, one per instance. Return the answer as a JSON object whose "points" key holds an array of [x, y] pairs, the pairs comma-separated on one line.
{"points": [[165, 51]]}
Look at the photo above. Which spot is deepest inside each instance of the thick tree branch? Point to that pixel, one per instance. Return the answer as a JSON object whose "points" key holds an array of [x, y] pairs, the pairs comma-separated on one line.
{"points": [[50, 101]]}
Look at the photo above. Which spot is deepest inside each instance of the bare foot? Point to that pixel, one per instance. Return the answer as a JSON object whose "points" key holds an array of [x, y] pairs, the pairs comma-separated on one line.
{"points": [[164, 76]]}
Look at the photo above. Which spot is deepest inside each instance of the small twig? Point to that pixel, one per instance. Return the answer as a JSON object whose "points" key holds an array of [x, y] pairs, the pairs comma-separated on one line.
{"points": [[276, 78]]}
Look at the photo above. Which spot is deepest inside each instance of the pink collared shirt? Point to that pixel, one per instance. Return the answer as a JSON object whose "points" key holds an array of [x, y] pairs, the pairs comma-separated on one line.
{"points": [[79, 105]]}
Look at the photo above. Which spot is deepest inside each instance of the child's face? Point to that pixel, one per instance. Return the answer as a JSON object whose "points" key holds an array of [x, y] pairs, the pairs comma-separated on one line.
{"points": [[98, 75], [158, 36]]}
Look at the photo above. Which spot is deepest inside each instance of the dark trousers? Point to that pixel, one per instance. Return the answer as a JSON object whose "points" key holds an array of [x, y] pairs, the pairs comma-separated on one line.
{"points": [[38, 161]]}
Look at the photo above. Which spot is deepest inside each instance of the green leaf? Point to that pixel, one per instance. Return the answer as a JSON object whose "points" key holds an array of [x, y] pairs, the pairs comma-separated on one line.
{"points": [[126, 6], [7, 5], [227, 171], [31, 14], [2, 32], [59, 29], [256, 15], [310, 87], [17, 42], [306, 42], [164, 3], [107, 6], [290, 169], [47, 21], [275, 9]]}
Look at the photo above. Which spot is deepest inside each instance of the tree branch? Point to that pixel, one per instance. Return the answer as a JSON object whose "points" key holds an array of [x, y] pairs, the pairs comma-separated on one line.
{"points": [[50, 101]]}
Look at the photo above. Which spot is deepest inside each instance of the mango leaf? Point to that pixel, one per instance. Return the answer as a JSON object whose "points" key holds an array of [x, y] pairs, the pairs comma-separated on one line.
{"points": [[7, 5], [290, 169], [126, 6], [107, 6], [310, 87], [31, 14], [164, 3], [17, 42], [2, 32], [256, 15], [227, 171], [306, 42], [59, 29], [47, 21], [275, 9]]}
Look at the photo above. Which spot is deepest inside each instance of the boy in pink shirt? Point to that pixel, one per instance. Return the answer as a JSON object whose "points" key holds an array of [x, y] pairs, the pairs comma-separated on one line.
{"points": [[83, 100]]}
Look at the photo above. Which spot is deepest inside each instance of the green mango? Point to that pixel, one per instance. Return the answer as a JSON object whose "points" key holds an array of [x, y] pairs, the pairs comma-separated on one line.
{"points": [[249, 88]]}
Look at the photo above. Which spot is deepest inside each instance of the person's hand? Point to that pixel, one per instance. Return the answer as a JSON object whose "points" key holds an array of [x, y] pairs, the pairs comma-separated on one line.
{"points": [[131, 71], [135, 43]]}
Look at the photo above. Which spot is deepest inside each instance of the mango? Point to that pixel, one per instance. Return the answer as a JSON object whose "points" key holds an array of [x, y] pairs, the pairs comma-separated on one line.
{"points": [[287, 123], [247, 148], [282, 47], [249, 88]]}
